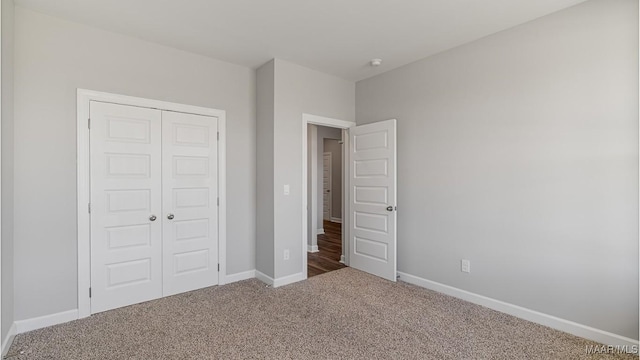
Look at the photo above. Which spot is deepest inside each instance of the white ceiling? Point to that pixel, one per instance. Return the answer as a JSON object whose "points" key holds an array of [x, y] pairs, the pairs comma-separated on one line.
{"points": [[338, 37]]}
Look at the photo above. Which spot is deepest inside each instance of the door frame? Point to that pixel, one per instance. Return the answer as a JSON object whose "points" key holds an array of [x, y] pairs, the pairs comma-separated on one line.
{"points": [[308, 119], [330, 199], [84, 97]]}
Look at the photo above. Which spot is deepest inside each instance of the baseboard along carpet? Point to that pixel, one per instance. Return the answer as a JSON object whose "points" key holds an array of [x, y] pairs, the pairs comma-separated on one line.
{"points": [[344, 314]]}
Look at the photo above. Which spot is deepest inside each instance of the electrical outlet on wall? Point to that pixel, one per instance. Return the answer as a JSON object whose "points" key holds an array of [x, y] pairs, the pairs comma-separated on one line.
{"points": [[286, 254], [465, 266]]}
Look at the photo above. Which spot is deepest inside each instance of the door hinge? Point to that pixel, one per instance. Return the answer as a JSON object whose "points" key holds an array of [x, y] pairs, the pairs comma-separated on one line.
{"points": [[218, 135], [89, 124], [218, 267], [89, 292], [89, 207], [218, 202]]}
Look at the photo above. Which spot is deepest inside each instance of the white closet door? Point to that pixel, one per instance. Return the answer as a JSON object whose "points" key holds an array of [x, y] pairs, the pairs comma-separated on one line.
{"points": [[126, 239], [189, 188]]}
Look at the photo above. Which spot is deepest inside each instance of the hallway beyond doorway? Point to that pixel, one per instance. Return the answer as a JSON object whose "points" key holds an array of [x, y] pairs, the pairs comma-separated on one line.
{"points": [[330, 248]]}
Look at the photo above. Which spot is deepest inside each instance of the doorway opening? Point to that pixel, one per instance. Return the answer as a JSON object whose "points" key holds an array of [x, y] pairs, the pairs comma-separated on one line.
{"points": [[325, 246], [369, 200], [325, 251]]}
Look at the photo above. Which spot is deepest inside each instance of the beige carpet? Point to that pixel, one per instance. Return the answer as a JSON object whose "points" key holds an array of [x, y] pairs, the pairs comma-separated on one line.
{"points": [[345, 314]]}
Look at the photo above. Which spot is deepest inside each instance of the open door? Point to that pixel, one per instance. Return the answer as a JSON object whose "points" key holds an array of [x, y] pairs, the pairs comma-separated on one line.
{"points": [[372, 198]]}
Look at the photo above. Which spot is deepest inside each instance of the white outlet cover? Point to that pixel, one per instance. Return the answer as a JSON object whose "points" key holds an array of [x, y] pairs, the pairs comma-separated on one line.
{"points": [[465, 266], [287, 189]]}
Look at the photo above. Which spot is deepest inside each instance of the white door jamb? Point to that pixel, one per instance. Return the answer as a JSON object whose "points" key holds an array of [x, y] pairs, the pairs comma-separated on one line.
{"points": [[334, 123]]}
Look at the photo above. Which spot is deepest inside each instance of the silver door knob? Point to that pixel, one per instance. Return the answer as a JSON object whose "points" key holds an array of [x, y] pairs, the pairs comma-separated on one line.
{"points": [[170, 216], [152, 218], [389, 208]]}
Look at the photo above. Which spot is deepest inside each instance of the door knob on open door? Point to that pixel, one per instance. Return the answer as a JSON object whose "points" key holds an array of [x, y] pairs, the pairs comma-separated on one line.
{"points": [[170, 216], [389, 208], [152, 218]]}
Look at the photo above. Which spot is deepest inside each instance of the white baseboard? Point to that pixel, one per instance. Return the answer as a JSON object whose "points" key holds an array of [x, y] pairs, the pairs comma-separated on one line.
{"points": [[336, 220], [285, 280], [342, 259], [290, 279], [551, 321], [264, 278], [8, 340], [22, 326], [320, 231], [312, 248], [245, 275]]}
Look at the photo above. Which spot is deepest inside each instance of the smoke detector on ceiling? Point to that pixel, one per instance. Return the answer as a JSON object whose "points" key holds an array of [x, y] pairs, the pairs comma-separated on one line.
{"points": [[376, 62]]}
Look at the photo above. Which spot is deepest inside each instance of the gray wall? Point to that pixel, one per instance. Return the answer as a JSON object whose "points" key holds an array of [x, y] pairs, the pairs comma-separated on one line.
{"points": [[7, 166], [264, 141], [324, 132], [297, 90], [520, 152], [54, 57]]}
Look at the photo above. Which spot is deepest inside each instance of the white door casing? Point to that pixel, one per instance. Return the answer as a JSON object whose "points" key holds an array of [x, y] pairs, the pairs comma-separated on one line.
{"points": [[372, 198], [308, 119], [190, 193], [84, 174], [126, 242], [326, 186]]}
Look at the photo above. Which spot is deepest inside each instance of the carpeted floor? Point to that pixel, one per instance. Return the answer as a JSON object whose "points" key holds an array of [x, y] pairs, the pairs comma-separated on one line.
{"points": [[344, 314]]}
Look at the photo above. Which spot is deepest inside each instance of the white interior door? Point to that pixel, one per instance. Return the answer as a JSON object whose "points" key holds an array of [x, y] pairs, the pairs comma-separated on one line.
{"points": [[326, 186], [372, 243], [126, 233], [190, 194]]}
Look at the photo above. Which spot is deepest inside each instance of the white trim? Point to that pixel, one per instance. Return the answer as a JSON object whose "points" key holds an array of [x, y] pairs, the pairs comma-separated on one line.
{"points": [[312, 195], [245, 275], [290, 279], [8, 340], [264, 278], [319, 232], [1, 122], [23, 326], [346, 206], [312, 248], [323, 121], [222, 195], [336, 220], [285, 280], [551, 321], [84, 190]]}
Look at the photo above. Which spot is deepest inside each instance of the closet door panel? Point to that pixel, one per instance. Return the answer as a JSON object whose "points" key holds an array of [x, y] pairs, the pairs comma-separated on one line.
{"points": [[126, 235], [189, 188]]}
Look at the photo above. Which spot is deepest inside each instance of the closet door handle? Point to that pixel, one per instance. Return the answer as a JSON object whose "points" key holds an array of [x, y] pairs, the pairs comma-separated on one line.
{"points": [[152, 218], [170, 216]]}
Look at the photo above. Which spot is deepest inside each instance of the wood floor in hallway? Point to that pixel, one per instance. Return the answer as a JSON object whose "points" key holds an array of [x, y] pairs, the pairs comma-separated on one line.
{"points": [[330, 248]]}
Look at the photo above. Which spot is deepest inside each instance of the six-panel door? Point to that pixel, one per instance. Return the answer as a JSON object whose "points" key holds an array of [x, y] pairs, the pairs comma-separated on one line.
{"points": [[372, 223], [190, 193], [153, 204], [126, 244]]}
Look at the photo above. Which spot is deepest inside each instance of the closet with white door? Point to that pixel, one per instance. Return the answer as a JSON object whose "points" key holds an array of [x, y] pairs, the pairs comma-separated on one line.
{"points": [[154, 203]]}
